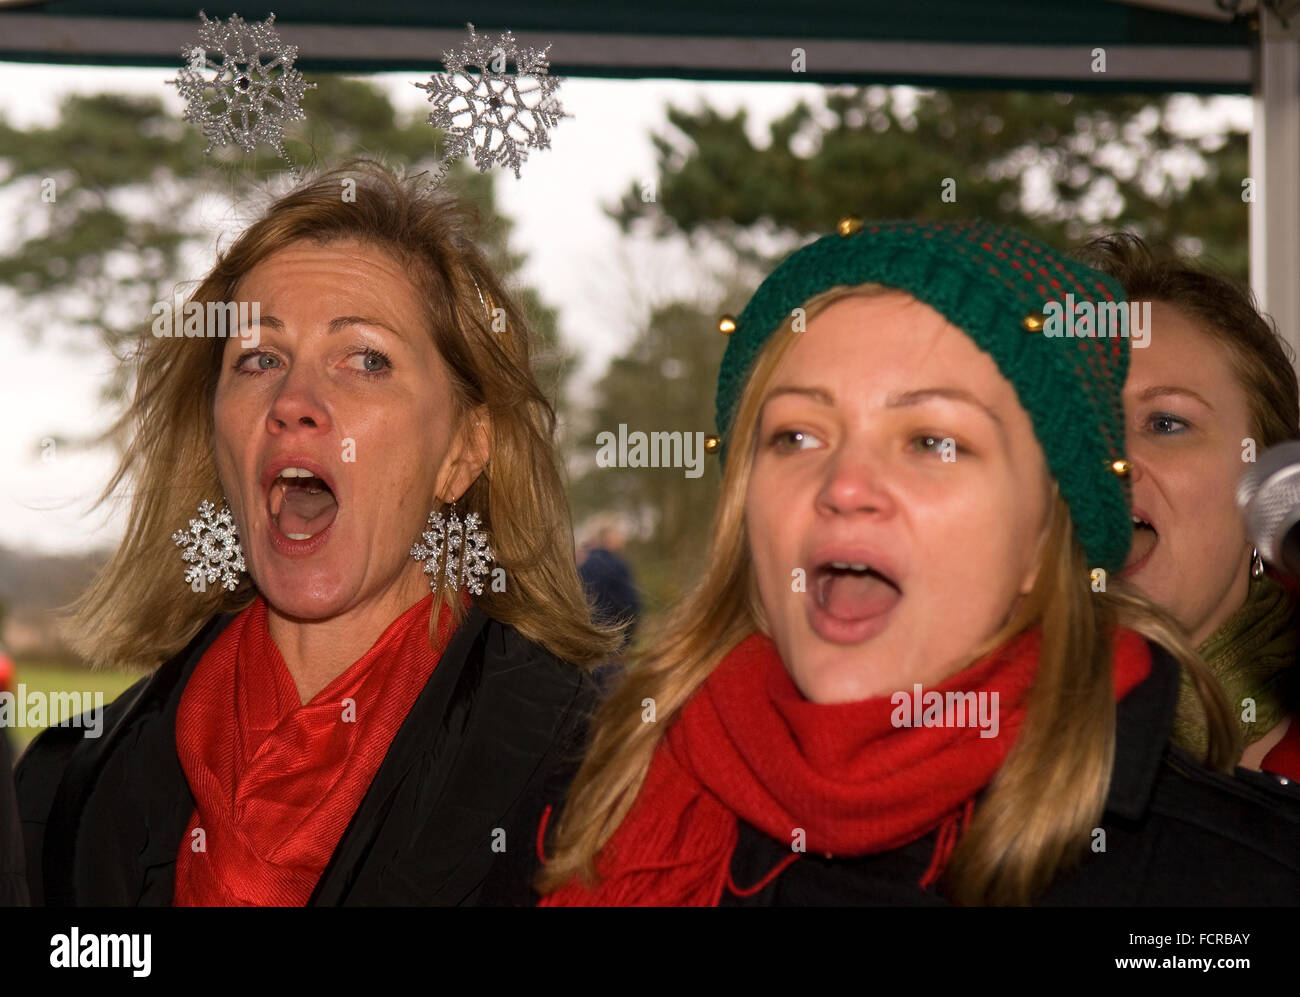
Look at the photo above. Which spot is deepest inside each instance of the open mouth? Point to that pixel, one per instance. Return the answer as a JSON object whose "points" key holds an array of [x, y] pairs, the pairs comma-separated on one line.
{"points": [[1145, 538], [853, 591], [300, 504]]}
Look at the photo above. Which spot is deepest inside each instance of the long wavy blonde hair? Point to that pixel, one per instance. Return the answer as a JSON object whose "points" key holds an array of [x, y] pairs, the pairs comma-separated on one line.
{"points": [[135, 612], [1037, 817]]}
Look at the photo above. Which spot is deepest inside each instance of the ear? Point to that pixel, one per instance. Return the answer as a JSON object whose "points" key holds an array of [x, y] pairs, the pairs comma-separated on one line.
{"points": [[467, 456], [1031, 576]]}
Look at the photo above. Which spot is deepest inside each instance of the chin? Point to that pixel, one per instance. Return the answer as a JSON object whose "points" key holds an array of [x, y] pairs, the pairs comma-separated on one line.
{"points": [[832, 675], [305, 598], [1148, 584]]}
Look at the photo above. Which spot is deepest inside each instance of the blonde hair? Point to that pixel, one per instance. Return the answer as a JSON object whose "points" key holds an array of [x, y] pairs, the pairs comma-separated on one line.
{"points": [[135, 614], [1038, 815]]}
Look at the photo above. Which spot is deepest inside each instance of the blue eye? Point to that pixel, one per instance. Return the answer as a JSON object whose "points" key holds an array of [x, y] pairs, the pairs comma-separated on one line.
{"points": [[374, 362], [1167, 425], [265, 361]]}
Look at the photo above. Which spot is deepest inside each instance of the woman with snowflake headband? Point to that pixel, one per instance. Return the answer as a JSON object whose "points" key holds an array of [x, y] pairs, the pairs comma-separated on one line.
{"points": [[324, 729], [904, 678]]}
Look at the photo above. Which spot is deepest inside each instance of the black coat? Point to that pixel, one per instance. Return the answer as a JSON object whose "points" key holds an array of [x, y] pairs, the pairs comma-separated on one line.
{"points": [[103, 818], [1176, 834], [13, 882]]}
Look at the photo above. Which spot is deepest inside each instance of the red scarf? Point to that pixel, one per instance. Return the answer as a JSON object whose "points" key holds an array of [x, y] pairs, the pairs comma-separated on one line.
{"points": [[1284, 757], [748, 746], [276, 781]]}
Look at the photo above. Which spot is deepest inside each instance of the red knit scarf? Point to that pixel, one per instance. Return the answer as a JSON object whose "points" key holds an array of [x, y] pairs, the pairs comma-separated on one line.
{"points": [[276, 781], [749, 747]]}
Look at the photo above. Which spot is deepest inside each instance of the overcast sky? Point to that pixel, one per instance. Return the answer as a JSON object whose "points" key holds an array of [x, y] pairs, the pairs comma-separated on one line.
{"points": [[575, 255]]}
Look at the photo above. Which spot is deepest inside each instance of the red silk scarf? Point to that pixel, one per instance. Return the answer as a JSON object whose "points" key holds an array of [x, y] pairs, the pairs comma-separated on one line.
{"points": [[749, 746], [276, 781]]}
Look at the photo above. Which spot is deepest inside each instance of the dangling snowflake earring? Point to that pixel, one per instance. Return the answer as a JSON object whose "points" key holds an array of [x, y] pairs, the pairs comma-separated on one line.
{"points": [[461, 551], [212, 547]]}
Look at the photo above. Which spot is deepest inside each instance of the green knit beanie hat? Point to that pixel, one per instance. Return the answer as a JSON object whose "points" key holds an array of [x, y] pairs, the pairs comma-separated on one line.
{"points": [[1009, 294]]}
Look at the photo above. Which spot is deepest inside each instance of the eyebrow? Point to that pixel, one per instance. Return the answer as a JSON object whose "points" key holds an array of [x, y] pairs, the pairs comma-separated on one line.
{"points": [[342, 322], [819, 395], [908, 398], [1156, 390], [903, 399]]}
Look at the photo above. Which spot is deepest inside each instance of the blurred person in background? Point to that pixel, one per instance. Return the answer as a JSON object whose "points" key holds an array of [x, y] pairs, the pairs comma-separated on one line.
{"points": [[1214, 388], [607, 580]]}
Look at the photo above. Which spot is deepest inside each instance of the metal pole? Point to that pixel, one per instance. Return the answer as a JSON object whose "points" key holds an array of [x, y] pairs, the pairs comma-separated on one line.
{"points": [[1275, 170]]}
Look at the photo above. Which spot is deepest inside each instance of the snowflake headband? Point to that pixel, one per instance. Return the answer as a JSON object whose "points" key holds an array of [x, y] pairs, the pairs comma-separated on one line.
{"points": [[241, 88], [494, 114], [253, 90]]}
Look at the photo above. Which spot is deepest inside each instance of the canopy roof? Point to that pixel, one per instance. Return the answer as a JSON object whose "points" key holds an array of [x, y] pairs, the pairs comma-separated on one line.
{"points": [[992, 43]]}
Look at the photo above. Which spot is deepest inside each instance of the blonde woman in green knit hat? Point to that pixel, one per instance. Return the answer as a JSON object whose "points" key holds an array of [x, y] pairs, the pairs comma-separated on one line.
{"points": [[907, 675], [1214, 388]]}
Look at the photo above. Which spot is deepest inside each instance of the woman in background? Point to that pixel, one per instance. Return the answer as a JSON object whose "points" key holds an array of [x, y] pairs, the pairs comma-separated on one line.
{"points": [[1214, 388]]}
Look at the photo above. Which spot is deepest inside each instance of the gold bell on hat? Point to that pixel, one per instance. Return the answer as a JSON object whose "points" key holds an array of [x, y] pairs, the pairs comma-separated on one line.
{"points": [[1033, 322], [727, 325], [1121, 467], [849, 225], [712, 443]]}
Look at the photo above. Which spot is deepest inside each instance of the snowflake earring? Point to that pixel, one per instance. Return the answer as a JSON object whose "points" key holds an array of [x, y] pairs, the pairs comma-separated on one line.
{"points": [[211, 547], [461, 551]]}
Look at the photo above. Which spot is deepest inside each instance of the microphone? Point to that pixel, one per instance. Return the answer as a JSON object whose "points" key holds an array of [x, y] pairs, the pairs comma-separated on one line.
{"points": [[1268, 496]]}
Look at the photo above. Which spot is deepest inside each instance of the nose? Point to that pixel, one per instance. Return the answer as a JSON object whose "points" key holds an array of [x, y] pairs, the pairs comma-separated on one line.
{"points": [[855, 483], [298, 405]]}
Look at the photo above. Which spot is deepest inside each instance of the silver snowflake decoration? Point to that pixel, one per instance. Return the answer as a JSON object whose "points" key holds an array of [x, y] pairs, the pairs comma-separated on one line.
{"points": [[461, 551], [489, 111], [476, 555], [240, 84], [212, 547]]}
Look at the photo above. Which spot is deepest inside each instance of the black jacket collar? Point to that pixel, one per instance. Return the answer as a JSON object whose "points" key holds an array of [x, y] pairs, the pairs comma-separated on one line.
{"points": [[146, 713], [1143, 722], [142, 728], [464, 653]]}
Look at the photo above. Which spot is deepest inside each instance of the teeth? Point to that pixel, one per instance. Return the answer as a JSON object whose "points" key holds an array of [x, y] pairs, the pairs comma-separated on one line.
{"points": [[300, 536], [845, 566], [296, 472]]}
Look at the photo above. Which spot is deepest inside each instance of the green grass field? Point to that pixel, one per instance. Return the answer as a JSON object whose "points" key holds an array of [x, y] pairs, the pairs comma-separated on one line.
{"points": [[49, 677]]}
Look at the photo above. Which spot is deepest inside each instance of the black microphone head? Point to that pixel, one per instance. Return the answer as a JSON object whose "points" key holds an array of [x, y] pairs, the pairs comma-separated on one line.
{"points": [[1269, 498]]}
